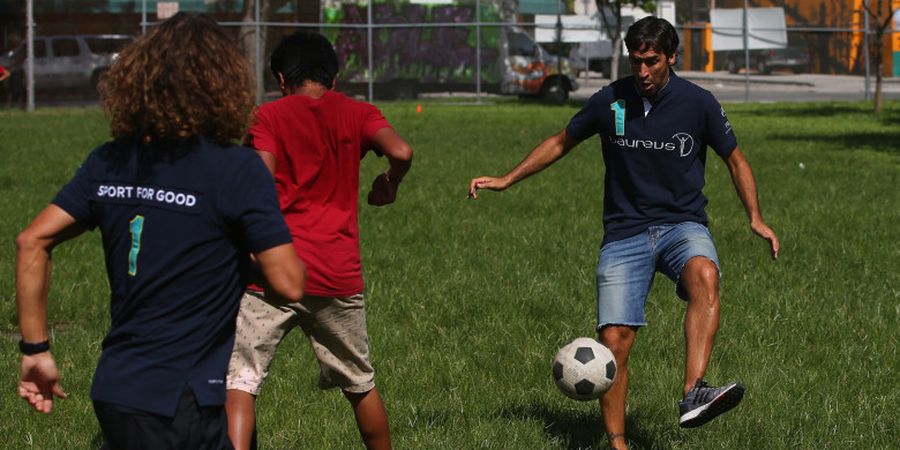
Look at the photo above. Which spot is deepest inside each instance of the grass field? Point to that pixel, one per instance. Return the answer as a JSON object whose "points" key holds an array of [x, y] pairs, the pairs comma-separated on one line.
{"points": [[469, 300]]}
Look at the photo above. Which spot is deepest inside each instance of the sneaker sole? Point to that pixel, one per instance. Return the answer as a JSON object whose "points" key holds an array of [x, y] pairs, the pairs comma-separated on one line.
{"points": [[721, 404]]}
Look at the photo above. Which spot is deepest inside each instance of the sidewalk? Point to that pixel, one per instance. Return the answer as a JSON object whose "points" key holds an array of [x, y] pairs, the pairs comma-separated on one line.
{"points": [[784, 79]]}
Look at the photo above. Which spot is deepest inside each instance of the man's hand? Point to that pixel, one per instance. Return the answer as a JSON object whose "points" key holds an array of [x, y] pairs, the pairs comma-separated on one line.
{"points": [[492, 183], [39, 381], [384, 190], [762, 230]]}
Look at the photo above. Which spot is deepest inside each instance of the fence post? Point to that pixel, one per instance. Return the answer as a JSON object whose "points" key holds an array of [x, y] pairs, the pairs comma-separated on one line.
{"points": [[143, 17], [29, 65], [369, 46], [478, 51], [746, 55], [258, 63], [865, 13]]}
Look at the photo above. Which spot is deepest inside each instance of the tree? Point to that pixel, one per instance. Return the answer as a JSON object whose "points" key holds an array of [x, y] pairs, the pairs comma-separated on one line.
{"points": [[610, 12], [881, 25], [247, 33]]}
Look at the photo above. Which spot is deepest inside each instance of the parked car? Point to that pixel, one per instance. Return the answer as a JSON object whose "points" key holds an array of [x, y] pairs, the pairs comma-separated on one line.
{"points": [[65, 62], [795, 59]]}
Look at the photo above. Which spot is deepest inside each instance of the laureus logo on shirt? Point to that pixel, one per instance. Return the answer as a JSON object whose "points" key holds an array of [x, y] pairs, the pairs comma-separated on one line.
{"points": [[681, 141], [685, 142]]}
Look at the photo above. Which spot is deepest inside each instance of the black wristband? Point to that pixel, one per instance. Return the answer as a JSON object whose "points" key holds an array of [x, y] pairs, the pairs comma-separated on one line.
{"points": [[32, 349]]}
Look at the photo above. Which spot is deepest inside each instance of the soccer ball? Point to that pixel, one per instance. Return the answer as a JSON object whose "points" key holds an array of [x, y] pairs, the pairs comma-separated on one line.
{"points": [[584, 369]]}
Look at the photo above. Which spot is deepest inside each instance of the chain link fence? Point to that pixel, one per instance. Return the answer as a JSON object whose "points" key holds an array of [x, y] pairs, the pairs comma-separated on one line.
{"points": [[403, 49]]}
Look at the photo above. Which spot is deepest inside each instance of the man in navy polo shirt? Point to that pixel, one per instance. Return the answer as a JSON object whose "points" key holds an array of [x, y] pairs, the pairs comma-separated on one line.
{"points": [[654, 129], [180, 210]]}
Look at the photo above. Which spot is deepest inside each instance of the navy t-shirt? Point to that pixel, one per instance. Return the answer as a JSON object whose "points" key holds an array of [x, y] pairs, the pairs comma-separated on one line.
{"points": [[177, 226], [654, 164]]}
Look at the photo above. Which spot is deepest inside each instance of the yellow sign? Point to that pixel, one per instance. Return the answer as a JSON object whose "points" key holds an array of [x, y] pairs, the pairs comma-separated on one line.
{"points": [[895, 6]]}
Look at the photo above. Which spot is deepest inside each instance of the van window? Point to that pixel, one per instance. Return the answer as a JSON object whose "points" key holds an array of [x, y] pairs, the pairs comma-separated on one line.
{"points": [[65, 47], [106, 46], [520, 44]]}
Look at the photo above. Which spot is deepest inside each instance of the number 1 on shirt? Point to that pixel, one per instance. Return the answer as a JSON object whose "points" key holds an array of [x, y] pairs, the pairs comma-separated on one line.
{"points": [[136, 226], [618, 108]]}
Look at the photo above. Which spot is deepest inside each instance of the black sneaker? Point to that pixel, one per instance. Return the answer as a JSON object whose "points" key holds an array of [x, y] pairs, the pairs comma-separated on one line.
{"points": [[703, 402]]}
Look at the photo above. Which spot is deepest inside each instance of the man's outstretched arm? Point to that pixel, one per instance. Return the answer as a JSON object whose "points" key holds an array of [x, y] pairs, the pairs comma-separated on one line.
{"points": [[38, 375], [541, 157], [745, 185]]}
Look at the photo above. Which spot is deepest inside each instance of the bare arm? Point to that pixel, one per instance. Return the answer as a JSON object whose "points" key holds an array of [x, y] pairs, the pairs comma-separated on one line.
{"points": [[268, 159], [399, 154], [38, 375], [745, 185], [541, 157], [285, 276]]}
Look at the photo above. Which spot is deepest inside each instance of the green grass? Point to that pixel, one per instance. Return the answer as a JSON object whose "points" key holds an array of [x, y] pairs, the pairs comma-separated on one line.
{"points": [[469, 300]]}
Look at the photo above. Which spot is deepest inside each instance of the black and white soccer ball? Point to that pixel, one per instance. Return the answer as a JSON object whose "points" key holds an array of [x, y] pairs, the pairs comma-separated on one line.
{"points": [[584, 369]]}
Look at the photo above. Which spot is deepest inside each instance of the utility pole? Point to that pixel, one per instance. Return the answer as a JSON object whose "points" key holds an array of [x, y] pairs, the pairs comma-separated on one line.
{"points": [[559, 71]]}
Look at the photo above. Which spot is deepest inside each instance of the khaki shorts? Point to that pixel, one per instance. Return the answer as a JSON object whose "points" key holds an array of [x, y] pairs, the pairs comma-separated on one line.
{"points": [[335, 326]]}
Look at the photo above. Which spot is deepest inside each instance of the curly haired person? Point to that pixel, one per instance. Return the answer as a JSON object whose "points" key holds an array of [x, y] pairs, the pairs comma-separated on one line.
{"points": [[180, 210]]}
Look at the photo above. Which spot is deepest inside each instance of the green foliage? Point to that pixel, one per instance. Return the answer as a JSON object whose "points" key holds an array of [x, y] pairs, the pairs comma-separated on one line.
{"points": [[616, 5], [469, 300]]}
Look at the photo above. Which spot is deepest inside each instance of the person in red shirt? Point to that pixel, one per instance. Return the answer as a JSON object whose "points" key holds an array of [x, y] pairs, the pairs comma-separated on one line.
{"points": [[312, 140]]}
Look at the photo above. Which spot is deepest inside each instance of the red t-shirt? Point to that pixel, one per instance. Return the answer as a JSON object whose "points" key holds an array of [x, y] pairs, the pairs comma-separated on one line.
{"points": [[317, 144]]}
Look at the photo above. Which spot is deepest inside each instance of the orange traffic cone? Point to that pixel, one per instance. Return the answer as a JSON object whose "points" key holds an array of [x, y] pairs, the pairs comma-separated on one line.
{"points": [[418, 108]]}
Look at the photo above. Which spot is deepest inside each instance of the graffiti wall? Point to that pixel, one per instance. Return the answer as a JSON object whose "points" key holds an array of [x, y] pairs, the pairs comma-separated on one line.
{"points": [[427, 54]]}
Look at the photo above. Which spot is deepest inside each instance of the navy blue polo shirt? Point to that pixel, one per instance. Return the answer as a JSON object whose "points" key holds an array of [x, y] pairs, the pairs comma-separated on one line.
{"points": [[177, 226], [654, 163]]}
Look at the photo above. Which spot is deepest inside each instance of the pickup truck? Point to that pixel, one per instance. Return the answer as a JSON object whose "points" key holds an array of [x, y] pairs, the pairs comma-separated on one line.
{"points": [[795, 59]]}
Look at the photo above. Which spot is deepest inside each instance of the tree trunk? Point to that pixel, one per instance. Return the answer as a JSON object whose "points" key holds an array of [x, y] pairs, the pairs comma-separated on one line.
{"points": [[247, 32], [613, 31], [616, 56], [880, 26]]}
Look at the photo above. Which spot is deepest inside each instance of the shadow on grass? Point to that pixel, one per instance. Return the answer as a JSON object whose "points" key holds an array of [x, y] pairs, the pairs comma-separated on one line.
{"points": [[98, 442], [880, 142], [576, 429]]}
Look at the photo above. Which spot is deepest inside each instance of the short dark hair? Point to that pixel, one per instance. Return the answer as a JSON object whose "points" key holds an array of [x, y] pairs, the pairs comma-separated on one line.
{"points": [[303, 56], [652, 32]]}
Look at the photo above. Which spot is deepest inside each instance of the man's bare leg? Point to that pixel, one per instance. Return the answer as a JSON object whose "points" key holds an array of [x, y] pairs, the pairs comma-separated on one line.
{"points": [[240, 410], [371, 419], [700, 278], [618, 339]]}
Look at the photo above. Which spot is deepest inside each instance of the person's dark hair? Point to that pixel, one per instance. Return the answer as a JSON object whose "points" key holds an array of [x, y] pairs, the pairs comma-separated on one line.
{"points": [[185, 77], [652, 33], [304, 56]]}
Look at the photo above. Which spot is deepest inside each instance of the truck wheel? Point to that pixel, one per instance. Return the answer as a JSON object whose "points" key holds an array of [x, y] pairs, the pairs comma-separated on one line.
{"points": [[732, 66], [554, 91], [606, 69]]}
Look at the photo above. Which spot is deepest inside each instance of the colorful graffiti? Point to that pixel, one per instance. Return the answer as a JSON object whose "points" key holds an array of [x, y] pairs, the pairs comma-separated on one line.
{"points": [[426, 54]]}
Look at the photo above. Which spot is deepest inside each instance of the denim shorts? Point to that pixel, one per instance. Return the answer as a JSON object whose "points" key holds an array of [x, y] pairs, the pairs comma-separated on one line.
{"points": [[626, 268]]}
